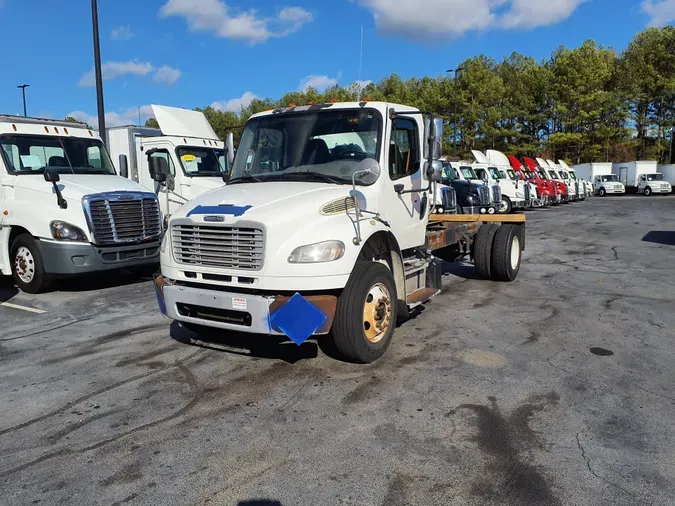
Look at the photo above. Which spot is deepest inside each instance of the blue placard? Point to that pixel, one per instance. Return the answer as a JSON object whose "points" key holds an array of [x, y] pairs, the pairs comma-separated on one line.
{"points": [[298, 319], [233, 210]]}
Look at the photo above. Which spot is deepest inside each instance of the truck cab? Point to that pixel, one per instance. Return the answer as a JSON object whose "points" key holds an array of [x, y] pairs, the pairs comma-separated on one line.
{"points": [[324, 228], [572, 186], [543, 195], [472, 195], [541, 177], [64, 210], [188, 151], [506, 171], [505, 191], [608, 184], [649, 184], [545, 170]]}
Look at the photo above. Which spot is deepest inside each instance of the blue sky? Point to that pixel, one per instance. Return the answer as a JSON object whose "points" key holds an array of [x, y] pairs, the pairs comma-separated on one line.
{"points": [[193, 53]]}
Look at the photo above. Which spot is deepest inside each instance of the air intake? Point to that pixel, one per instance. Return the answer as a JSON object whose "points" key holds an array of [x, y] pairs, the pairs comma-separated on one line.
{"points": [[338, 206]]}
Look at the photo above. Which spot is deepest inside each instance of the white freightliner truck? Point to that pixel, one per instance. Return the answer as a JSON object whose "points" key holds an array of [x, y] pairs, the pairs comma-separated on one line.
{"points": [[64, 210], [503, 164], [572, 187], [578, 183], [642, 177], [510, 194], [187, 149], [601, 177], [314, 236]]}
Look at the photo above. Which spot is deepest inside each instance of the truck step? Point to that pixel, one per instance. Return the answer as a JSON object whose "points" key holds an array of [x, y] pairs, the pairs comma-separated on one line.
{"points": [[421, 296]]}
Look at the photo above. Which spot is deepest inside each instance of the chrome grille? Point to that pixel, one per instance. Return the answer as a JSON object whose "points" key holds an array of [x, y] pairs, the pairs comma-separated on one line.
{"points": [[448, 198], [496, 193], [123, 217], [484, 194], [218, 246]]}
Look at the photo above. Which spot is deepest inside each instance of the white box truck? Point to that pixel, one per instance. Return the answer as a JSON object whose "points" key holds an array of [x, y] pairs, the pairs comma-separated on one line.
{"points": [[63, 208], [642, 177], [313, 237], [601, 175], [188, 149], [668, 172]]}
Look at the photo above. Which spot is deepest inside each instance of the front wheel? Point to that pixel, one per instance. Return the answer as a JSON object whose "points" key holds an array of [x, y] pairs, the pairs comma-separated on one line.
{"points": [[27, 266], [505, 205], [648, 191], [366, 313], [602, 192]]}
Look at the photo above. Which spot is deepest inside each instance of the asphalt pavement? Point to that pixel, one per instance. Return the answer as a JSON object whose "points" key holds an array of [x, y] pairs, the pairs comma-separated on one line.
{"points": [[556, 389]]}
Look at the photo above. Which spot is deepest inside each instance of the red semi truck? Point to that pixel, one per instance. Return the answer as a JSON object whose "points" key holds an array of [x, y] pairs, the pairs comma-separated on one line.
{"points": [[541, 173], [545, 188]]}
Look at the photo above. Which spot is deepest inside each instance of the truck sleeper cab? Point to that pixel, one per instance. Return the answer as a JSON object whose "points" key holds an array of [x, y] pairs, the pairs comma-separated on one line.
{"points": [[325, 227], [64, 209]]}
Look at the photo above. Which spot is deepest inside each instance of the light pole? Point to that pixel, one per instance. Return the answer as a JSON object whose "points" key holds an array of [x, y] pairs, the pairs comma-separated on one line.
{"points": [[23, 91], [97, 69], [454, 119]]}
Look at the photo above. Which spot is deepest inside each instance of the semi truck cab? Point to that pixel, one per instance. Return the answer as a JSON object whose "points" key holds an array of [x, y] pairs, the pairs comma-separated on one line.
{"points": [[63, 208]]}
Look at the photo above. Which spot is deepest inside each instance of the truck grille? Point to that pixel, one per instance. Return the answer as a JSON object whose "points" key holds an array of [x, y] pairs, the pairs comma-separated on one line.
{"points": [[213, 246], [448, 198], [496, 193], [123, 217], [484, 194]]}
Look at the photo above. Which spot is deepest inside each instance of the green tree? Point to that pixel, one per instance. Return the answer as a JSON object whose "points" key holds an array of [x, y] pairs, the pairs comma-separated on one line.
{"points": [[70, 119], [152, 123]]}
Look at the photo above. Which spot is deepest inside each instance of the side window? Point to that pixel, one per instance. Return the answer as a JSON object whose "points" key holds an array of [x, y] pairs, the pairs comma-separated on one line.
{"points": [[12, 156], [165, 155], [404, 158]]}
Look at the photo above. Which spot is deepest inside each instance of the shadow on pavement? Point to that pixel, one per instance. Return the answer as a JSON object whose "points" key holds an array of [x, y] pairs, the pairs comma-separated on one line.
{"points": [[112, 279], [7, 289], [240, 343], [460, 269], [660, 237]]}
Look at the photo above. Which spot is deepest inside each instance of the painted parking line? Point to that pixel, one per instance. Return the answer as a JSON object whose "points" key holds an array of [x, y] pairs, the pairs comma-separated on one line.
{"points": [[23, 308]]}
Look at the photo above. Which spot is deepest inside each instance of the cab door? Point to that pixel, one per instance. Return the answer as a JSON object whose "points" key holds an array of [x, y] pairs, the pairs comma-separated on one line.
{"points": [[168, 167], [406, 209]]}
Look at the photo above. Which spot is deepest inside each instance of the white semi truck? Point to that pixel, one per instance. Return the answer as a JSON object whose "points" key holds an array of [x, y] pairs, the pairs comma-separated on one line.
{"points": [[579, 183], [642, 177], [311, 237], [63, 208], [600, 174], [188, 150], [510, 194], [572, 186], [503, 164]]}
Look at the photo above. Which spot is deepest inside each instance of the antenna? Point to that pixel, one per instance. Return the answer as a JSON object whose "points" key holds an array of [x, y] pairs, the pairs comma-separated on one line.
{"points": [[139, 116], [360, 64]]}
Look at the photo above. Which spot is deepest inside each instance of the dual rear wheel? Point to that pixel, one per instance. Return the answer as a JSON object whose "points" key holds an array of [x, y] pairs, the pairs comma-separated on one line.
{"points": [[497, 252]]}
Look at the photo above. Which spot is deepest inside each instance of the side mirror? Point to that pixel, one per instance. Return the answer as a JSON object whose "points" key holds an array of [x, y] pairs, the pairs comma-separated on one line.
{"points": [[52, 176], [434, 171], [437, 146], [154, 167], [368, 171], [124, 166], [160, 177], [229, 144]]}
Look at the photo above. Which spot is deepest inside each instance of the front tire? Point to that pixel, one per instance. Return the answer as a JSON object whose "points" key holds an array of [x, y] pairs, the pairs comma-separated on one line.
{"points": [[602, 192], [648, 192], [27, 266], [366, 313], [505, 206]]}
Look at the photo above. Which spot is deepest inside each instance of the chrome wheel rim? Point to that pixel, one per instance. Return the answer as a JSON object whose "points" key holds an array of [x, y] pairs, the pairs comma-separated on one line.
{"points": [[24, 264], [377, 312], [515, 252]]}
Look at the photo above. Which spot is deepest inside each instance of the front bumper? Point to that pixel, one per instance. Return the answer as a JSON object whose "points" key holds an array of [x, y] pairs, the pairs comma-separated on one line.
{"points": [[240, 312], [615, 191], [490, 209], [78, 258], [518, 204], [662, 190]]}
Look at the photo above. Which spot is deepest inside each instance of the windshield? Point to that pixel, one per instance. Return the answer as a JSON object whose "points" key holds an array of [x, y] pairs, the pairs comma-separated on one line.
{"points": [[468, 172], [553, 174], [32, 154], [495, 173], [202, 162], [528, 174], [449, 172], [321, 145], [563, 175], [512, 174], [610, 178], [654, 177], [573, 175]]}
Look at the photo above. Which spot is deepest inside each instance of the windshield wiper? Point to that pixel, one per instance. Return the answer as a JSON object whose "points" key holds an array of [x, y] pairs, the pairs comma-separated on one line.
{"points": [[313, 175], [245, 179]]}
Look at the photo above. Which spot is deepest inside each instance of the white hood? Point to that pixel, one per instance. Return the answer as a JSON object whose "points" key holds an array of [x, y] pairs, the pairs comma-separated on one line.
{"points": [[75, 186], [177, 122]]}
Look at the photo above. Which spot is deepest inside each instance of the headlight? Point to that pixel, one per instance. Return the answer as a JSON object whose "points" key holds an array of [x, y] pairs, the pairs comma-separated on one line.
{"points": [[470, 199], [63, 231], [326, 251]]}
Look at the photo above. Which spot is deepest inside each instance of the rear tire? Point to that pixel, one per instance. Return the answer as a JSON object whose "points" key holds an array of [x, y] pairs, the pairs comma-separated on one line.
{"points": [[366, 313], [482, 250], [506, 254], [27, 265]]}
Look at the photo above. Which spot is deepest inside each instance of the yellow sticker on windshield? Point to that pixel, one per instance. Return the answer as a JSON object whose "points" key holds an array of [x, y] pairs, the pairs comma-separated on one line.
{"points": [[188, 158]]}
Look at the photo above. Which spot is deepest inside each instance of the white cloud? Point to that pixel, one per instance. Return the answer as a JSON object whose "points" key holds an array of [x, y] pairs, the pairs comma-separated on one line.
{"points": [[319, 83], [661, 12], [166, 74], [217, 17], [235, 104], [122, 33], [112, 119], [451, 18], [113, 70]]}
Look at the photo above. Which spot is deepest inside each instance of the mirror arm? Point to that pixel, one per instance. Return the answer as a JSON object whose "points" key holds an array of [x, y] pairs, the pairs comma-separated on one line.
{"points": [[59, 197]]}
